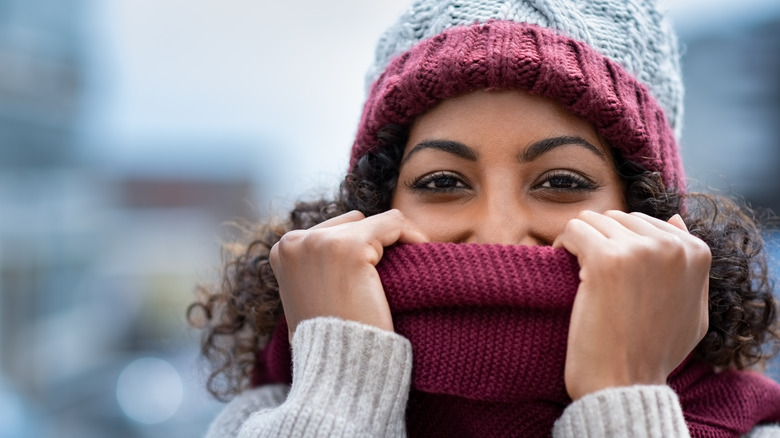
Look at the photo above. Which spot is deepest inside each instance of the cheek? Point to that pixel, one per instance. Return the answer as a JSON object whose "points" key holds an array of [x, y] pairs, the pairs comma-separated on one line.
{"points": [[613, 198], [548, 220], [438, 222]]}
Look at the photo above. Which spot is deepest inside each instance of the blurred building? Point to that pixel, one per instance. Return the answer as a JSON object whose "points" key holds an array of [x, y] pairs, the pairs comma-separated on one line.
{"points": [[731, 138], [97, 263], [40, 80]]}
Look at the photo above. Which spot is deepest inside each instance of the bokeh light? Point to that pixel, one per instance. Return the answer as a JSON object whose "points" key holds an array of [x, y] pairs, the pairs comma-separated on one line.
{"points": [[149, 390]]}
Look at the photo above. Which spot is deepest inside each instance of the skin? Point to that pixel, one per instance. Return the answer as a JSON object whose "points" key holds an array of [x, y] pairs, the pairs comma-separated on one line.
{"points": [[505, 167], [467, 174]]}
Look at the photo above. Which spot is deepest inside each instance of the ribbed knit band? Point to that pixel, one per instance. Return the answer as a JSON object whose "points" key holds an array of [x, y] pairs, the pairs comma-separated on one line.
{"points": [[615, 406], [361, 385], [529, 58], [229, 422], [632, 33]]}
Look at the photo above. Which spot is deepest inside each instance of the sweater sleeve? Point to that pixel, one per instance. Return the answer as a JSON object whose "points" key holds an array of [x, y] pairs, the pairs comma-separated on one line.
{"points": [[645, 411], [765, 431], [349, 380], [353, 380], [228, 422]]}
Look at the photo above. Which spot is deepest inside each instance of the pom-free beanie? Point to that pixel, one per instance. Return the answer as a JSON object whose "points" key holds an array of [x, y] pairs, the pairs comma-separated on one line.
{"points": [[632, 33], [617, 70]]}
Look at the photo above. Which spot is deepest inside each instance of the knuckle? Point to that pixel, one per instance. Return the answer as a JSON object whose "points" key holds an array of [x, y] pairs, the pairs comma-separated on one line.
{"points": [[697, 250], [357, 214], [273, 256], [584, 214], [313, 240], [289, 240], [702, 251], [573, 225], [671, 241], [644, 248], [613, 257], [284, 249], [327, 241], [394, 214], [667, 247]]}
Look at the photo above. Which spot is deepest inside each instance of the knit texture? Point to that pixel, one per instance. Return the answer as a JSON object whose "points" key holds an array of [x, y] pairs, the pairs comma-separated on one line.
{"points": [[620, 411], [488, 327], [229, 422], [359, 391], [632, 33], [529, 58]]}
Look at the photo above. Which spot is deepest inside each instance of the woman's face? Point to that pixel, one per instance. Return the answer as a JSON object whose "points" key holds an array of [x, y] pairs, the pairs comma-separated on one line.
{"points": [[503, 167]]}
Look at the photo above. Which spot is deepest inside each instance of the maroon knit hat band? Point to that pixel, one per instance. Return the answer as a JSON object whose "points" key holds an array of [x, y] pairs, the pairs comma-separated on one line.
{"points": [[521, 56]]}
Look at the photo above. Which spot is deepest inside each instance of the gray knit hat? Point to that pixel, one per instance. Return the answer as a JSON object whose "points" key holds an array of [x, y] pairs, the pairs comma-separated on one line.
{"points": [[632, 33]]}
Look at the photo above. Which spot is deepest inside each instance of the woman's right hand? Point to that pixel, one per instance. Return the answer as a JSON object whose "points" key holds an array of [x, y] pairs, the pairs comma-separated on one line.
{"points": [[330, 269]]}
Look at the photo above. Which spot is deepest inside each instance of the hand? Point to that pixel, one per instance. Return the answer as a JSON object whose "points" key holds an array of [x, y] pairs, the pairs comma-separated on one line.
{"points": [[641, 306], [330, 269]]}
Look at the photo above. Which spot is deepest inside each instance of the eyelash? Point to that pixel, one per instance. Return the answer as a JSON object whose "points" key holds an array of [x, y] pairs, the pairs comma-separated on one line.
{"points": [[576, 180], [421, 183], [570, 180]]}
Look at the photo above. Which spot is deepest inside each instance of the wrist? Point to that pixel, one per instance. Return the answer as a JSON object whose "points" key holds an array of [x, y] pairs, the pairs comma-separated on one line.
{"points": [[581, 384]]}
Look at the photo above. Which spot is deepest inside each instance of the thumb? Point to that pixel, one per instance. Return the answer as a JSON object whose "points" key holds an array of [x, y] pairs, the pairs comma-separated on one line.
{"points": [[678, 222], [411, 233]]}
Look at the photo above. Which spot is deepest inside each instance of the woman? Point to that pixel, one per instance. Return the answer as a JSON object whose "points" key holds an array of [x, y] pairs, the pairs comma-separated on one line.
{"points": [[512, 253]]}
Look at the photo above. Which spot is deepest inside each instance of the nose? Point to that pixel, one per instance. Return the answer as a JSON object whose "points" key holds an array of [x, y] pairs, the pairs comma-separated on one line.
{"points": [[503, 223]]}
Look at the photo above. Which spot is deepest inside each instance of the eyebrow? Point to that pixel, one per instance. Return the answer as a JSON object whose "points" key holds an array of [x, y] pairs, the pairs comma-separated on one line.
{"points": [[450, 146], [534, 150]]}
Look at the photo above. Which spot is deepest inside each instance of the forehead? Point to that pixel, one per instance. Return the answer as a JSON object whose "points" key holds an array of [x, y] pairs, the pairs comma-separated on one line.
{"points": [[505, 116]]}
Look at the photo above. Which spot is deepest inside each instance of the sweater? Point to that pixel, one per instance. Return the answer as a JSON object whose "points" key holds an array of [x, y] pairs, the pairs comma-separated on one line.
{"points": [[331, 366], [466, 379]]}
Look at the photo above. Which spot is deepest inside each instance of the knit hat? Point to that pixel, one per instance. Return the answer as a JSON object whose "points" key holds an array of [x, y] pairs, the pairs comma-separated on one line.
{"points": [[615, 63]]}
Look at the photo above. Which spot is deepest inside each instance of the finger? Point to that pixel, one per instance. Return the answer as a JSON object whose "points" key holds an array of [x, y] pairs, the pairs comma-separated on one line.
{"points": [[670, 227], [639, 223], [412, 233], [578, 236], [352, 216], [390, 227], [678, 222], [606, 223]]}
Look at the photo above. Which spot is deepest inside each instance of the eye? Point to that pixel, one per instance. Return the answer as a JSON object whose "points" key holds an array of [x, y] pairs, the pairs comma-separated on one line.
{"points": [[566, 180], [439, 182]]}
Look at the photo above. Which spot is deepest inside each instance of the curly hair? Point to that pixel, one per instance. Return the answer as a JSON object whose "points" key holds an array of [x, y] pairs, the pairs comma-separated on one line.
{"points": [[239, 315]]}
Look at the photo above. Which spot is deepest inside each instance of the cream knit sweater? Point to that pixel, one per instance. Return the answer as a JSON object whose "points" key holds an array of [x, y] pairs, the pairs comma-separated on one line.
{"points": [[352, 380]]}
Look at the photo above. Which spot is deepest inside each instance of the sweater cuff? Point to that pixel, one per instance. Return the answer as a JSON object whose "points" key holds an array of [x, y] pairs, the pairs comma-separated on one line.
{"points": [[634, 411], [358, 373]]}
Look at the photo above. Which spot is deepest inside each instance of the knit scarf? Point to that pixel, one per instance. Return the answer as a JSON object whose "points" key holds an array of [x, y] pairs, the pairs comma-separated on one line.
{"points": [[488, 326]]}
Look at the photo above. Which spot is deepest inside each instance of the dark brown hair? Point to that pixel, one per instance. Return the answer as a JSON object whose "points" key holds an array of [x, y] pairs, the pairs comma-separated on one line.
{"points": [[238, 315]]}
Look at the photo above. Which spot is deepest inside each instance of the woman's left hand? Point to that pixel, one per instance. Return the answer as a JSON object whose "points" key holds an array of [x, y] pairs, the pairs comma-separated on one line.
{"points": [[641, 306]]}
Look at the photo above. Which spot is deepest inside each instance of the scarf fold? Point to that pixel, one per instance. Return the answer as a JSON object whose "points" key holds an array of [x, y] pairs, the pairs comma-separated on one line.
{"points": [[488, 326]]}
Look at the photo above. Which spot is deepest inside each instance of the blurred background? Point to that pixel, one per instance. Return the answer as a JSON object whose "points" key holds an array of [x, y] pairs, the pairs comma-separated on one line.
{"points": [[131, 129]]}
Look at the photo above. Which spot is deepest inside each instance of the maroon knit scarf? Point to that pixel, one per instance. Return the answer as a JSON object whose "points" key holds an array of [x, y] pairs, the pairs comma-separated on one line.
{"points": [[488, 326]]}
